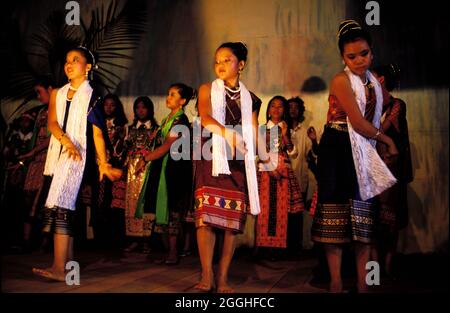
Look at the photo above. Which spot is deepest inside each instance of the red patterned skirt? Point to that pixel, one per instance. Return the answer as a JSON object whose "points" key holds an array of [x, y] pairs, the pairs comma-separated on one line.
{"points": [[277, 197], [221, 201]]}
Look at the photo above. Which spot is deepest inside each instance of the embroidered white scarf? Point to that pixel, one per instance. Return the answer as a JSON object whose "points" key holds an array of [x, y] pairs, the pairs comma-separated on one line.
{"points": [[219, 152], [67, 173], [373, 175]]}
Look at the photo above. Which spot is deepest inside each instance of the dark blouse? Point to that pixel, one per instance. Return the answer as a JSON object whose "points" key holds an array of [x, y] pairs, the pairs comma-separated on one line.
{"points": [[178, 174], [95, 117], [203, 167]]}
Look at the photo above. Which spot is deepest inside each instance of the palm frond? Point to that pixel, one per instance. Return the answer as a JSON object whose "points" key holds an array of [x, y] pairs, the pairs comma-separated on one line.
{"points": [[51, 44], [112, 31], [20, 86], [112, 35]]}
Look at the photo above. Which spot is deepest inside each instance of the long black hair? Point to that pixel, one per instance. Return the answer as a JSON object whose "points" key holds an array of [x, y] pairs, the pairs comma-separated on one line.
{"points": [[120, 117], [148, 103], [301, 108], [286, 116]]}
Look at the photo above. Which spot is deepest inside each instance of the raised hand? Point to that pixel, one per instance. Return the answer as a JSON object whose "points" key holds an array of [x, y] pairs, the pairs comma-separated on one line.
{"points": [[284, 128], [311, 132]]}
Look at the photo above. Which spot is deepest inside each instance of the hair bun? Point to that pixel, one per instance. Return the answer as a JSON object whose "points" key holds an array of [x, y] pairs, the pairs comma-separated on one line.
{"points": [[347, 25], [243, 45], [242, 48]]}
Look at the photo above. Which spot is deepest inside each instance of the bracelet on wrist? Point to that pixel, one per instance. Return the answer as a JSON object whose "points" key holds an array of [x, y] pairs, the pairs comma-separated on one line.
{"points": [[100, 164], [377, 135], [61, 137]]}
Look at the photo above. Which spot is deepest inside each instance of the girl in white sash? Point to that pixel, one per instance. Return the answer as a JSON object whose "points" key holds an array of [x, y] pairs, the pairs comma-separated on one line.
{"points": [[350, 172], [72, 118], [225, 189]]}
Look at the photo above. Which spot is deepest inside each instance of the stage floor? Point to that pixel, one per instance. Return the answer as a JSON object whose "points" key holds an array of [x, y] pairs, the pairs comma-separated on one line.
{"points": [[113, 272]]}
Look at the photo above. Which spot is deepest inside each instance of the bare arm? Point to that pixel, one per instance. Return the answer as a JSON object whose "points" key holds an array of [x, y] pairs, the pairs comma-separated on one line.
{"points": [[385, 125], [100, 147], [161, 150], [205, 111], [393, 115], [52, 123], [56, 130], [341, 88], [255, 130]]}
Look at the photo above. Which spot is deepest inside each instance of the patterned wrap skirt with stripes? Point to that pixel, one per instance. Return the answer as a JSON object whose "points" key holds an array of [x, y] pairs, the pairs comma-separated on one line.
{"points": [[341, 216]]}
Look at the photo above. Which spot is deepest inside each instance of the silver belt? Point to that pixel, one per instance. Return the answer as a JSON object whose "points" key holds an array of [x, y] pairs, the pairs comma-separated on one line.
{"points": [[338, 126]]}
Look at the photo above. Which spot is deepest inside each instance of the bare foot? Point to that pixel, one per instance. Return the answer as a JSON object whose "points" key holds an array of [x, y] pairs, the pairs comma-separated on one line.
{"points": [[222, 284], [204, 287], [49, 273], [206, 284], [37, 270], [224, 288]]}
